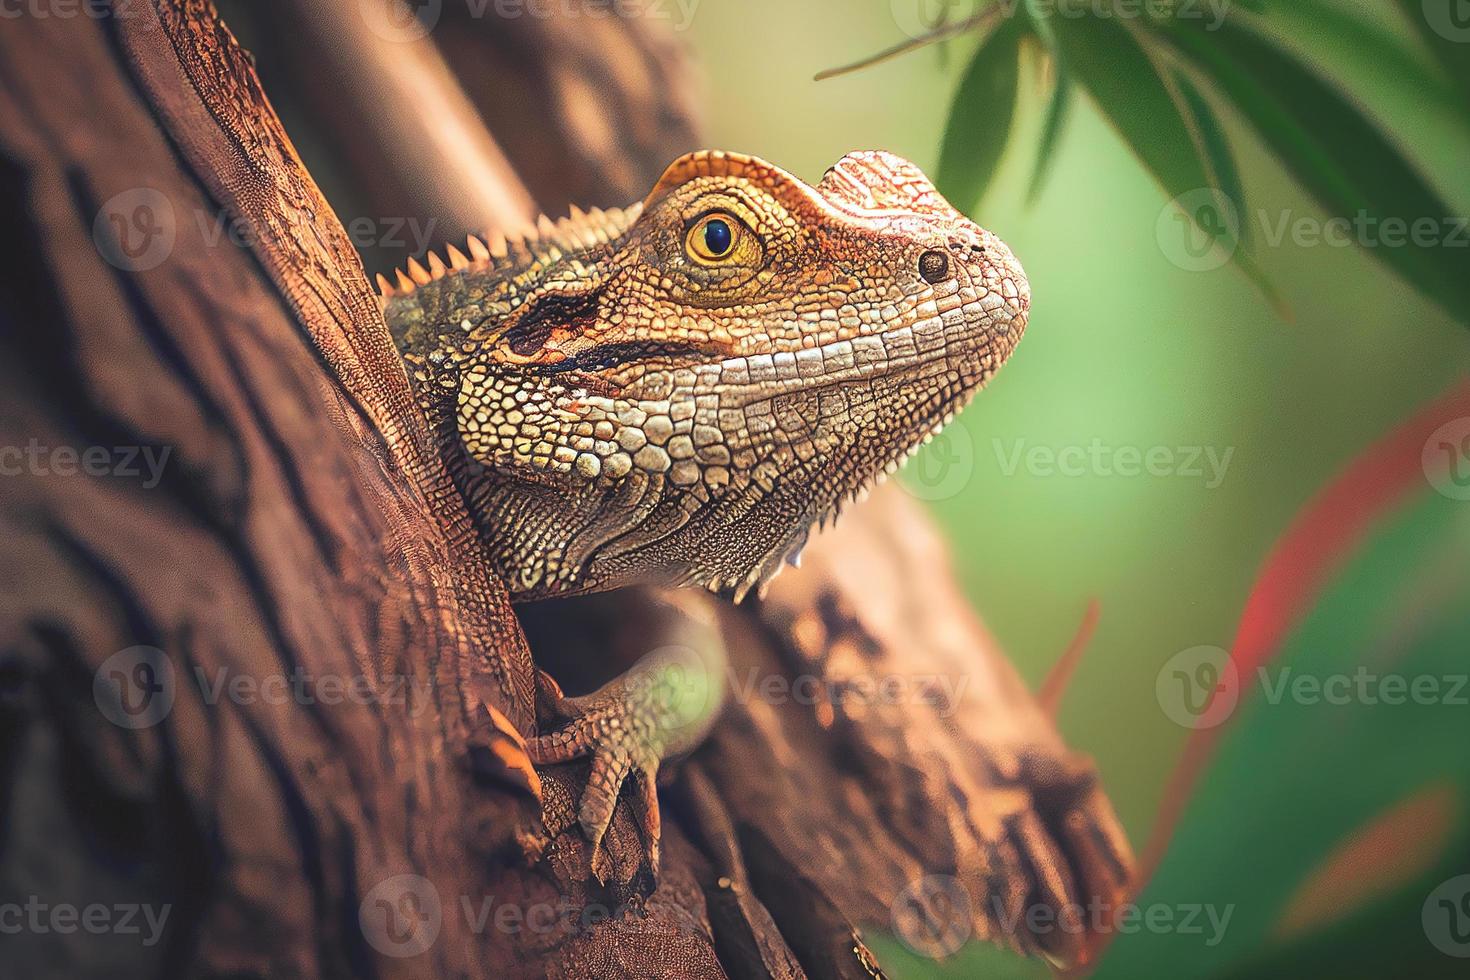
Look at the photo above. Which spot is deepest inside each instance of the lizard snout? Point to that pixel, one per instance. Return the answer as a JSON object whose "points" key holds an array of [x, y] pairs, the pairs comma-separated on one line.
{"points": [[994, 275]]}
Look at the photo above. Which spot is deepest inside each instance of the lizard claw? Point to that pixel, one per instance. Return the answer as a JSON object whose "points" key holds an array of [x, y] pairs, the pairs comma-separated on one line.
{"points": [[661, 707]]}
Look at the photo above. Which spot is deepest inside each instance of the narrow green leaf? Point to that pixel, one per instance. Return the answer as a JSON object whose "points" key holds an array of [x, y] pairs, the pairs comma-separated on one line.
{"points": [[1039, 14], [1446, 31], [1225, 177], [1346, 37], [1211, 136], [1051, 129], [980, 119], [1338, 154], [1106, 58]]}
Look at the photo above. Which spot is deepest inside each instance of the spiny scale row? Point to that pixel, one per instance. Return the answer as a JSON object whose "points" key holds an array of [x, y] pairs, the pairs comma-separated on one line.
{"points": [[578, 229]]}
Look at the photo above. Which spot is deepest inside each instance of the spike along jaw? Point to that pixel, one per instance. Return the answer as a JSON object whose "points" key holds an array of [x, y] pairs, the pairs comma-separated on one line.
{"points": [[682, 403]]}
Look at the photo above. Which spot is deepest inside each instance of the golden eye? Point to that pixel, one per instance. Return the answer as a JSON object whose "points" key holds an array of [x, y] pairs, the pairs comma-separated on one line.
{"points": [[713, 238]]}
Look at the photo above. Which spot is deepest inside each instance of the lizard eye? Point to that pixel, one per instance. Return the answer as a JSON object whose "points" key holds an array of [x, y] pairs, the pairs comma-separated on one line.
{"points": [[713, 238], [933, 266]]}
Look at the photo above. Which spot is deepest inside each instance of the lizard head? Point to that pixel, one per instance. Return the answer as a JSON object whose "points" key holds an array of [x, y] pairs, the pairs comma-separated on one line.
{"points": [[679, 392]]}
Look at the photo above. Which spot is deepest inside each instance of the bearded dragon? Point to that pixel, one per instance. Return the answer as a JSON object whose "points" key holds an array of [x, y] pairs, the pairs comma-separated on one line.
{"points": [[678, 391]]}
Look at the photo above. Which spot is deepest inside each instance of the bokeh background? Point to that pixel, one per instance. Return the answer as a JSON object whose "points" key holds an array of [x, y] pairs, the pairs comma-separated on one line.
{"points": [[1257, 406], [1124, 347]]}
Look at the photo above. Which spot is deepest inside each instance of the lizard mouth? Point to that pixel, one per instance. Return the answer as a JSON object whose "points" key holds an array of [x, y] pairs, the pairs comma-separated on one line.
{"points": [[900, 351]]}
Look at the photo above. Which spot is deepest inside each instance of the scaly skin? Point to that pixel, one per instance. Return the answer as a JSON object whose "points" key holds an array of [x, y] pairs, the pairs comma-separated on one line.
{"points": [[622, 403]]}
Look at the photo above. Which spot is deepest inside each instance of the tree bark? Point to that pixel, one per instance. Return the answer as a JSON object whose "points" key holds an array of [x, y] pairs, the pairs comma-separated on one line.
{"points": [[182, 287]]}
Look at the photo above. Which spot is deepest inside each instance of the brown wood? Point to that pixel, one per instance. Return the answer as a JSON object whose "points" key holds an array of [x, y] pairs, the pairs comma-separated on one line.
{"points": [[303, 524]]}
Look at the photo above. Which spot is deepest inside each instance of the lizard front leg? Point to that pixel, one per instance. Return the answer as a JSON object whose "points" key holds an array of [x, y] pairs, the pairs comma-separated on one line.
{"points": [[661, 707]]}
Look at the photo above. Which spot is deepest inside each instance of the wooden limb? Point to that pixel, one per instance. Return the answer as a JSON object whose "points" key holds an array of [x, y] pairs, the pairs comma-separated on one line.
{"points": [[591, 107], [928, 756], [301, 525], [320, 744], [389, 119], [982, 792]]}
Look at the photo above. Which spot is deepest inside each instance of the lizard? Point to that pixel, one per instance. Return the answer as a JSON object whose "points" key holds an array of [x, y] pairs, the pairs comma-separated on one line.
{"points": [[678, 391]]}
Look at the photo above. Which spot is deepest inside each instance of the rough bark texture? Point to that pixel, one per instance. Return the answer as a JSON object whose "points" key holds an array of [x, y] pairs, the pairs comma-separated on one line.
{"points": [[303, 526]]}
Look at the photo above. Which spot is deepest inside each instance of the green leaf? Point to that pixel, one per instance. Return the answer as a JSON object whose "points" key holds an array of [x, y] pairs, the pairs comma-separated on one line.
{"points": [[1334, 150], [1051, 130], [1345, 38], [1216, 147], [1225, 177], [1058, 106], [1107, 59], [980, 119], [1448, 39]]}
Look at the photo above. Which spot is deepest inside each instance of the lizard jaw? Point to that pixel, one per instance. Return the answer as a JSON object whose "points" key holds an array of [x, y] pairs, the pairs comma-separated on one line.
{"points": [[765, 571]]}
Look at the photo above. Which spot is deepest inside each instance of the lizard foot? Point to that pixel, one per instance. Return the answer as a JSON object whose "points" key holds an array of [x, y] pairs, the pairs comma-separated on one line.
{"points": [[663, 706]]}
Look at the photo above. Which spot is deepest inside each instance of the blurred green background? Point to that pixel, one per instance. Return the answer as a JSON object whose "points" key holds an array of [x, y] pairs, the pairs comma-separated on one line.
{"points": [[1123, 347]]}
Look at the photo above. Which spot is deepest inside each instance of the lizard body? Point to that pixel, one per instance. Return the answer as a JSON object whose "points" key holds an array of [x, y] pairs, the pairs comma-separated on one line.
{"points": [[675, 392]]}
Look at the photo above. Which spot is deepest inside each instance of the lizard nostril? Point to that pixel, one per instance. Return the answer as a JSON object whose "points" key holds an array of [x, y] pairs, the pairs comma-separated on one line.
{"points": [[933, 266]]}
